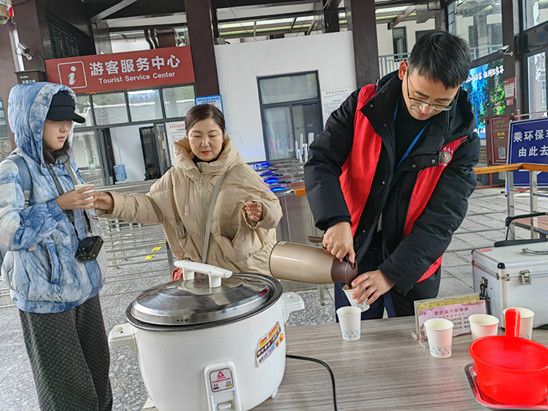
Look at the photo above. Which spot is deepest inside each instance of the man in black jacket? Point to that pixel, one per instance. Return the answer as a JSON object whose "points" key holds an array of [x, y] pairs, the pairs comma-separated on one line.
{"points": [[390, 176]]}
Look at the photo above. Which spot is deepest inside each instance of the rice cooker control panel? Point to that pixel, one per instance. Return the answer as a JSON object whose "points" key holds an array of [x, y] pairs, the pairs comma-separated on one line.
{"points": [[220, 380], [221, 387]]}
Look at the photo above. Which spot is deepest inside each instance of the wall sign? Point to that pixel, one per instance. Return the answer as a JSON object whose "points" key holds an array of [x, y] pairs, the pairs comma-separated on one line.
{"points": [[486, 88], [528, 143], [120, 71], [175, 131], [214, 100], [497, 139], [30, 76], [332, 100], [456, 309]]}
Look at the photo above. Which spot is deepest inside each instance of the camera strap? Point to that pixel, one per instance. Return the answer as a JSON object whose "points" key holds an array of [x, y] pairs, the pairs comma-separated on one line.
{"points": [[69, 213]]}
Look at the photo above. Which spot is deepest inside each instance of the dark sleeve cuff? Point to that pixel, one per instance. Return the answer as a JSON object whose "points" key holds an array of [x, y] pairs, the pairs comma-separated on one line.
{"points": [[335, 220], [55, 210]]}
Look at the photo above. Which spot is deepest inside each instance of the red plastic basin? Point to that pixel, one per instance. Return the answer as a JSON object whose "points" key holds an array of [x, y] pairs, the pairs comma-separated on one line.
{"points": [[509, 369]]}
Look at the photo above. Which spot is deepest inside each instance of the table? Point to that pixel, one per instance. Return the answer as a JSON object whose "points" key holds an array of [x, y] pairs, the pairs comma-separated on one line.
{"points": [[385, 369]]}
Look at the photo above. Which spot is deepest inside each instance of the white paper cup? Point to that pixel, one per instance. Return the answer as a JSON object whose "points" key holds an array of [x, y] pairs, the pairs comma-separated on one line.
{"points": [[439, 332], [526, 321], [483, 325], [348, 291], [350, 322], [91, 189]]}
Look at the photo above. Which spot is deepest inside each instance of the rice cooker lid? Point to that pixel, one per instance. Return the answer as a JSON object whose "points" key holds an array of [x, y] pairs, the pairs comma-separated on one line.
{"points": [[187, 303]]}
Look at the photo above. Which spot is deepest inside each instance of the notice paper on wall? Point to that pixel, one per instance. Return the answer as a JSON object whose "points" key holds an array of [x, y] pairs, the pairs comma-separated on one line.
{"points": [[332, 100], [175, 131], [456, 309]]}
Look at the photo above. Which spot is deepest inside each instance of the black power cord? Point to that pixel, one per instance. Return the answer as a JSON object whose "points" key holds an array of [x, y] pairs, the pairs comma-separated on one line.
{"points": [[298, 357]]}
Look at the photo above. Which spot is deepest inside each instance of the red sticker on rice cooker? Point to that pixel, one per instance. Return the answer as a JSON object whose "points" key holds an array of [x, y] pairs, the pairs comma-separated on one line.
{"points": [[268, 343]]}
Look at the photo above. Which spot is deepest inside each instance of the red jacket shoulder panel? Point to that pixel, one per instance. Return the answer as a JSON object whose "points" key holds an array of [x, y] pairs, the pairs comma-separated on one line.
{"points": [[359, 168]]}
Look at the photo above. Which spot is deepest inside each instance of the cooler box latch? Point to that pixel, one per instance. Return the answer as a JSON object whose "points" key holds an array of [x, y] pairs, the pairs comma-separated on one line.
{"points": [[525, 277]]}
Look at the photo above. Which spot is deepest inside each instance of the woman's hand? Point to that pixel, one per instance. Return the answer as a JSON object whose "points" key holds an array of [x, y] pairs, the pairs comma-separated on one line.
{"points": [[77, 198], [254, 211], [103, 201]]}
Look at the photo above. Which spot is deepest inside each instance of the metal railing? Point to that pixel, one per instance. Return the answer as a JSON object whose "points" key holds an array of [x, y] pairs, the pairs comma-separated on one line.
{"points": [[390, 62], [511, 191]]}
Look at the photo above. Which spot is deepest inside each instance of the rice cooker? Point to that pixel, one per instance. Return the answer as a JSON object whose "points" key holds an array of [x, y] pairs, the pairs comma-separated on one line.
{"points": [[209, 342]]}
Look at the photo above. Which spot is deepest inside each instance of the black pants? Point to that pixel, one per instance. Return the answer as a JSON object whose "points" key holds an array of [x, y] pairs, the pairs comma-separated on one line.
{"points": [[395, 303], [69, 358]]}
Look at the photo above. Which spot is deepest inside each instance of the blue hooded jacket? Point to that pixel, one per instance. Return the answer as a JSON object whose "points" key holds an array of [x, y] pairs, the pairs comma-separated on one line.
{"points": [[39, 240]]}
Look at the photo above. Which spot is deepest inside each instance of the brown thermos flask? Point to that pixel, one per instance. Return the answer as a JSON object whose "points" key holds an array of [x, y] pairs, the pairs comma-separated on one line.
{"points": [[308, 264]]}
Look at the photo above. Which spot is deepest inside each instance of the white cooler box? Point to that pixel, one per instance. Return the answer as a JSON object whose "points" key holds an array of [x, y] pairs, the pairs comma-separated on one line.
{"points": [[513, 276]]}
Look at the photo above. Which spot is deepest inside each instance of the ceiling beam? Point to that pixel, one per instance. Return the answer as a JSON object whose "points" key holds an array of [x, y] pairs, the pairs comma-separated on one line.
{"points": [[331, 15], [111, 10], [398, 19]]}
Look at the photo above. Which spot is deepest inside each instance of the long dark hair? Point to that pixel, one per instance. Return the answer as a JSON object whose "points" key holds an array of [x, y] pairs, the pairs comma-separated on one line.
{"points": [[204, 112]]}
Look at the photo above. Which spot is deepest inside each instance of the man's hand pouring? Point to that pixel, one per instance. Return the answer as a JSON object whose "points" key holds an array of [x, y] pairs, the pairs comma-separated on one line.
{"points": [[371, 285], [338, 241]]}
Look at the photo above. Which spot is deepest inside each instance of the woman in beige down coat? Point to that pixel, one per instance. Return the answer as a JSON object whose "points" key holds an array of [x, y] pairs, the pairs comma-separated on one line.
{"points": [[246, 213]]}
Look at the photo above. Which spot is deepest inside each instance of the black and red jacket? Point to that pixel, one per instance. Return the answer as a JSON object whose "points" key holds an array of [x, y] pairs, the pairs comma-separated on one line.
{"points": [[351, 176]]}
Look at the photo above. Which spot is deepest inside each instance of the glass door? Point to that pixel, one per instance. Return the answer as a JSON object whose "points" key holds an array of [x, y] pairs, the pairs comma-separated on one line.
{"points": [[280, 141], [290, 111], [536, 75], [163, 149], [306, 122], [86, 154]]}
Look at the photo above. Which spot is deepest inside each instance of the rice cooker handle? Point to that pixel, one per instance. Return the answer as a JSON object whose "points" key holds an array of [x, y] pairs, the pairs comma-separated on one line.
{"points": [[122, 335], [291, 302], [215, 273]]}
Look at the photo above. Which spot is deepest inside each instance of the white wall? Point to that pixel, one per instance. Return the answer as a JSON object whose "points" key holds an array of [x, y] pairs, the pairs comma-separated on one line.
{"points": [[384, 36], [125, 45], [239, 65]]}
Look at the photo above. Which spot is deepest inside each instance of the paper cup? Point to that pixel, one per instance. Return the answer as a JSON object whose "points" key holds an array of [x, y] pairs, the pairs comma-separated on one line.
{"points": [[350, 322], [439, 332], [483, 325], [526, 321], [90, 190], [348, 291]]}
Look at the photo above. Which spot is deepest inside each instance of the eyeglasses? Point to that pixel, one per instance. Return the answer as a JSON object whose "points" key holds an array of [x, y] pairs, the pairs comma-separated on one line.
{"points": [[421, 104]]}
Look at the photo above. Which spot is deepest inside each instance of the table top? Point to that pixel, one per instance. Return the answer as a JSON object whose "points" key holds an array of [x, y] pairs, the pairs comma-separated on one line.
{"points": [[386, 369]]}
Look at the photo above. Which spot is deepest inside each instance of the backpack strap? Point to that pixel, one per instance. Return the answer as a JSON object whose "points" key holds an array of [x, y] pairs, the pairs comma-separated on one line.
{"points": [[26, 181]]}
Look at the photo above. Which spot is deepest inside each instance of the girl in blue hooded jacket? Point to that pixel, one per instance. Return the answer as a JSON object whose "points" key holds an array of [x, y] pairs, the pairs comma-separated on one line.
{"points": [[55, 292]]}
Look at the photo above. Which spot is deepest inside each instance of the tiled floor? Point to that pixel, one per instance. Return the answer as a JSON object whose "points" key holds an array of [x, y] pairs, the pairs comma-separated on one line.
{"points": [[483, 225]]}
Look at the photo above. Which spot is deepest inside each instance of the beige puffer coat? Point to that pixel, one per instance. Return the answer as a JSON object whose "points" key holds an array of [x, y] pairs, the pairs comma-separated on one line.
{"points": [[180, 202]]}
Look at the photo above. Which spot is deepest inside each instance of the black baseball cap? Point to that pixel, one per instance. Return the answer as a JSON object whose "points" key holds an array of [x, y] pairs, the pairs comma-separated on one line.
{"points": [[62, 108]]}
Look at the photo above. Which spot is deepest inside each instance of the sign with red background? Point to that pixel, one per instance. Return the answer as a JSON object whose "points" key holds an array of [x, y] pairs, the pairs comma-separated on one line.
{"points": [[120, 71], [497, 139]]}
